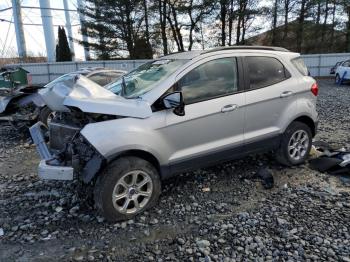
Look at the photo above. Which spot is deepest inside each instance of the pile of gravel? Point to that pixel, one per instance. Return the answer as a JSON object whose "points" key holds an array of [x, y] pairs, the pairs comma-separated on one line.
{"points": [[290, 225], [215, 214]]}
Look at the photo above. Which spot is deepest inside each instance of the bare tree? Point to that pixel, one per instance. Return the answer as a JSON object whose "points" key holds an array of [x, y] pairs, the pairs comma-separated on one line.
{"points": [[223, 13], [145, 7], [301, 20], [196, 11], [172, 16], [346, 5], [162, 19], [274, 21], [288, 6], [231, 19], [324, 26]]}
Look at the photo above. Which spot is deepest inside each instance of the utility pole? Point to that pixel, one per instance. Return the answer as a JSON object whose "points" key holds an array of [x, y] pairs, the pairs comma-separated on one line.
{"points": [[17, 15], [69, 29], [46, 18], [84, 32]]}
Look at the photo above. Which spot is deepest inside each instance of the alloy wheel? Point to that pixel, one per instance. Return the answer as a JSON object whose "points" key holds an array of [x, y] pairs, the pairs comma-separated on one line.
{"points": [[298, 145], [132, 192]]}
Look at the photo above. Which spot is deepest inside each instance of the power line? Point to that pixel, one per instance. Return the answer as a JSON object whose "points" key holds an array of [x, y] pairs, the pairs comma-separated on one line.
{"points": [[7, 34], [36, 7], [30, 20], [11, 22], [48, 8]]}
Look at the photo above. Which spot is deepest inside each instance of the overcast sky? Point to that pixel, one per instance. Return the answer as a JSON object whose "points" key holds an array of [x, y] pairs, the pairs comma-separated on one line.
{"points": [[34, 36]]}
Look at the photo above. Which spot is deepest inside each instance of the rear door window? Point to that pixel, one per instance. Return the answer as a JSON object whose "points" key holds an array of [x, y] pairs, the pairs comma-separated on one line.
{"points": [[265, 71]]}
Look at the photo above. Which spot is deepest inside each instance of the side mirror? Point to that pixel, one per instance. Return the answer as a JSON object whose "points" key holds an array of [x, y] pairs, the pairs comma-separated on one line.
{"points": [[175, 100]]}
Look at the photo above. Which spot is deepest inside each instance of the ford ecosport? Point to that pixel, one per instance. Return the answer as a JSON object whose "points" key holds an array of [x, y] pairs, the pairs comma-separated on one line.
{"points": [[180, 112]]}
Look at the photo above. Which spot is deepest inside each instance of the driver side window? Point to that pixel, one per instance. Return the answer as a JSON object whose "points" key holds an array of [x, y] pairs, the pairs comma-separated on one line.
{"points": [[212, 79]]}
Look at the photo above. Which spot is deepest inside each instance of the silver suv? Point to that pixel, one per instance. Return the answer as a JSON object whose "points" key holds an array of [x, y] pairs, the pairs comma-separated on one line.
{"points": [[174, 114]]}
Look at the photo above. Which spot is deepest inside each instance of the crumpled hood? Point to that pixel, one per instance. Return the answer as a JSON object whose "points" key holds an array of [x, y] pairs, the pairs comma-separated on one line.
{"points": [[92, 98]]}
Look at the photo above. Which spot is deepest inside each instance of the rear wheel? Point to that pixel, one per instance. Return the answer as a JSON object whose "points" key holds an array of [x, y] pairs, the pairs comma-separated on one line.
{"points": [[127, 187], [295, 144]]}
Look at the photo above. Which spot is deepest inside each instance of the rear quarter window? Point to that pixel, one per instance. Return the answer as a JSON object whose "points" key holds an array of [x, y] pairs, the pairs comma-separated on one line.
{"points": [[300, 65]]}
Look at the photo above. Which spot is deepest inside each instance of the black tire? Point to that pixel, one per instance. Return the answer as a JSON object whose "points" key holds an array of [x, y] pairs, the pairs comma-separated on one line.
{"points": [[337, 78], [44, 115], [283, 153], [112, 175]]}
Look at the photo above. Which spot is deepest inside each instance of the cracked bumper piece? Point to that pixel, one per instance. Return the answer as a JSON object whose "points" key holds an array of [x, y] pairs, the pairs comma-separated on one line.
{"points": [[49, 172]]}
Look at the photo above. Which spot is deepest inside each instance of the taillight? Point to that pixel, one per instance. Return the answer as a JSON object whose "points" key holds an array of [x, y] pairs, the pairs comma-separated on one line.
{"points": [[314, 89]]}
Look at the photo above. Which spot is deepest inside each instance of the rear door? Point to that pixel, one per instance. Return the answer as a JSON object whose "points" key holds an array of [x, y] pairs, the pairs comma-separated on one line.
{"points": [[269, 92], [214, 121]]}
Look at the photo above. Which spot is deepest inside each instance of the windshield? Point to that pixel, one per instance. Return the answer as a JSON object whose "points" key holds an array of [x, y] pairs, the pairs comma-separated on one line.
{"points": [[144, 78]]}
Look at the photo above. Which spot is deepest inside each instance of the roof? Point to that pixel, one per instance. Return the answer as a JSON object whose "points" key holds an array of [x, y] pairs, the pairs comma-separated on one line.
{"points": [[194, 53], [183, 55], [247, 47]]}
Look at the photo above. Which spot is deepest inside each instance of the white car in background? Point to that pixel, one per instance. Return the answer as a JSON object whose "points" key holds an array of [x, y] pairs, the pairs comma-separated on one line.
{"points": [[343, 68]]}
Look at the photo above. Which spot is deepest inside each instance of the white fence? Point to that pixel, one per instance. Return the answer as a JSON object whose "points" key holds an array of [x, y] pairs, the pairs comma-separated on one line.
{"points": [[42, 73], [320, 65]]}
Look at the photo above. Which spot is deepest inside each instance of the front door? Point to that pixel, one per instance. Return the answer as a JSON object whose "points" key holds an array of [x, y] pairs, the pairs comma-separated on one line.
{"points": [[214, 120]]}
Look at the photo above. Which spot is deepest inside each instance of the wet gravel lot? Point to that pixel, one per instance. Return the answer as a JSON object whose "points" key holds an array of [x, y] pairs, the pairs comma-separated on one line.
{"points": [[215, 214]]}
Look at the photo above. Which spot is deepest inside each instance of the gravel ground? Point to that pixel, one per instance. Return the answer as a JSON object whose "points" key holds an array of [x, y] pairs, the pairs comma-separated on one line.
{"points": [[215, 214]]}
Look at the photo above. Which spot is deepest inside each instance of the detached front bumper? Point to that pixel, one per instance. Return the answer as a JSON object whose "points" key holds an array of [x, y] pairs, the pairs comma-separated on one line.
{"points": [[49, 168], [49, 172]]}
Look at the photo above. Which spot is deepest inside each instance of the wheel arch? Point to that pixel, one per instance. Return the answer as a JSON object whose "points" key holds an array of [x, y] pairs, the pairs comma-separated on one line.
{"points": [[307, 121], [138, 153]]}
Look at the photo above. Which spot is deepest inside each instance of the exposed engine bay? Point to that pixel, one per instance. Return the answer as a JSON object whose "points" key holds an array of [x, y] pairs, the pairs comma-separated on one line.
{"points": [[76, 105], [69, 147]]}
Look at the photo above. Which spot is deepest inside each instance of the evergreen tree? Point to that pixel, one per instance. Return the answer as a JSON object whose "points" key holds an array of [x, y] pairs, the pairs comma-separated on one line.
{"points": [[116, 26], [62, 48]]}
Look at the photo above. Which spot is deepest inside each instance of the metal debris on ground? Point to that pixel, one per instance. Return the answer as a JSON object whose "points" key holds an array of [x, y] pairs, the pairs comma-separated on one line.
{"points": [[329, 159]]}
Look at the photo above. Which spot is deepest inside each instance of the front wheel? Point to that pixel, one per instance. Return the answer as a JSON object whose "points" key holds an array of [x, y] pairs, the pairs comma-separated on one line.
{"points": [[295, 144], [46, 115], [127, 187]]}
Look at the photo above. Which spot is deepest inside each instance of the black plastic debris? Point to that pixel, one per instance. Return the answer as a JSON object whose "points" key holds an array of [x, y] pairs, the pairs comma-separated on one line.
{"points": [[330, 160], [266, 177]]}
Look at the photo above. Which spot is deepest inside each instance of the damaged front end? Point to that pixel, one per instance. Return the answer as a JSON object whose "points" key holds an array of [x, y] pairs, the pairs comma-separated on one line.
{"points": [[64, 152]]}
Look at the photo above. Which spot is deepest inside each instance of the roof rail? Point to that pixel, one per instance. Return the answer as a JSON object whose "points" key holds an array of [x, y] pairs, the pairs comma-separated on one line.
{"points": [[247, 47]]}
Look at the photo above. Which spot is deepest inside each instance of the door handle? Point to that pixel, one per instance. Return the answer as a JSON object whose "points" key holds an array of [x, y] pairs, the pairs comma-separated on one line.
{"points": [[228, 108], [286, 94]]}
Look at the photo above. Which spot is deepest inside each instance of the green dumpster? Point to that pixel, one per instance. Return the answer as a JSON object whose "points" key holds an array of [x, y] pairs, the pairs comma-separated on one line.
{"points": [[13, 76]]}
